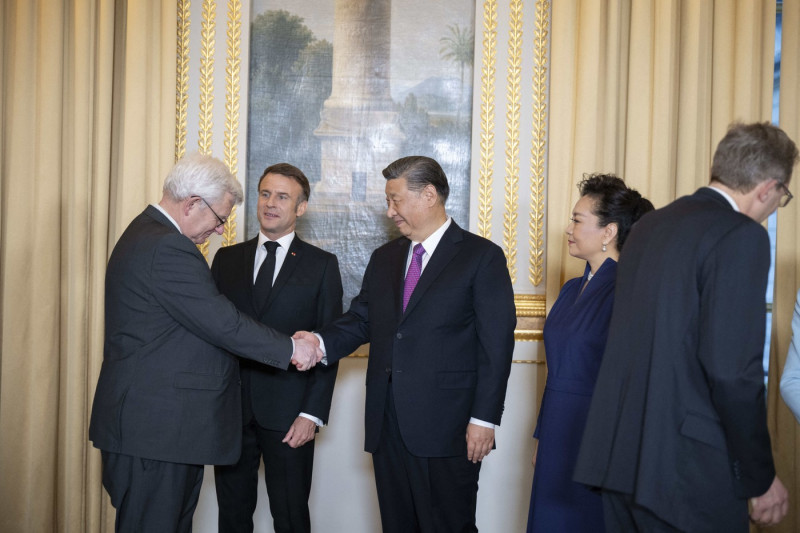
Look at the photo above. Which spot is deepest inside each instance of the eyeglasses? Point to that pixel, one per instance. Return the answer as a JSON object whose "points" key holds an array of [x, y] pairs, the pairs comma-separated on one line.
{"points": [[221, 222], [787, 195]]}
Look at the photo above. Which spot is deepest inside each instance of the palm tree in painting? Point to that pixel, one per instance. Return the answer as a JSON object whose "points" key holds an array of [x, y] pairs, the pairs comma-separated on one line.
{"points": [[458, 47]]}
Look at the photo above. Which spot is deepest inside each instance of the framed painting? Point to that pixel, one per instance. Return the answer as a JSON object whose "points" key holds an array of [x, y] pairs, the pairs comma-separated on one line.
{"points": [[340, 89]]}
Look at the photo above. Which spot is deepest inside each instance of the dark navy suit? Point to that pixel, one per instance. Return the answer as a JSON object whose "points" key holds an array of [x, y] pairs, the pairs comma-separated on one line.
{"points": [[677, 422], [306, 295], [444, 360]]}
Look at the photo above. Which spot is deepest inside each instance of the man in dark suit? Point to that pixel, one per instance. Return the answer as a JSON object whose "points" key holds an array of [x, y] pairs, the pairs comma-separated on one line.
{"points": [[281, 409], [167, 399], [439, 358], [677, 433]]}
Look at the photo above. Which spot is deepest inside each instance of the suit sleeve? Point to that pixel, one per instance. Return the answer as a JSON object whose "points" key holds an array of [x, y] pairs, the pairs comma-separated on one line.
{"points": [[319, 389], [495, 320], [790, 381], [352, 329], [732, 326], [183, 285], [215, 266]]}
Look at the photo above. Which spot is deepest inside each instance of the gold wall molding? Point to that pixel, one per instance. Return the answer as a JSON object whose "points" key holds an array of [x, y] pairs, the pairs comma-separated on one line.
{"points": [[206, 121], [233, 61], [538, 143], [488, 72], [207, 45], [531, 312], [182, 75], [513, 104]]}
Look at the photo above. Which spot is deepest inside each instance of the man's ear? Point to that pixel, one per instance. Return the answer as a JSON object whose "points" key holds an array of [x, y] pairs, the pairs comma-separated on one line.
{"points": [[301, 208], [430, 195], [188, 203], [764, 189]]}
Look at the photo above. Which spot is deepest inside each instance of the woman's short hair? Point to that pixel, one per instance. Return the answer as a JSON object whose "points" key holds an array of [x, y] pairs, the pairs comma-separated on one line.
{"points": [[614, 202]]}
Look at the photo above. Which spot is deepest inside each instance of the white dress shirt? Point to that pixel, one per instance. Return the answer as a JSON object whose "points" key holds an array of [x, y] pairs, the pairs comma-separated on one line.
{"points": [[280, 253], [727, 197], [163, 212]]}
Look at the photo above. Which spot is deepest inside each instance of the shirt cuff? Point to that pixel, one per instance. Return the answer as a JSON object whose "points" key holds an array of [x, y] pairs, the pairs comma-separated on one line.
{"points": [[324, 359], [314, 419], [481, 423]]}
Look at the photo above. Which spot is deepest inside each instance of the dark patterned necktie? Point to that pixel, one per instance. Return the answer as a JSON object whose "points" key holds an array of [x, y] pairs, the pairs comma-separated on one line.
{"points": [[263, 284], [412, 277]]}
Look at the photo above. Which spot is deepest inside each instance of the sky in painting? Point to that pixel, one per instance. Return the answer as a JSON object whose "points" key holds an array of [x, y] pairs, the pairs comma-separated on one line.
{"points": [[417, 26]]}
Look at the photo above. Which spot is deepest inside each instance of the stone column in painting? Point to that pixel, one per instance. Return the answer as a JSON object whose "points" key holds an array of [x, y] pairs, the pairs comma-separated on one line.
{"points": [[359, 133]]}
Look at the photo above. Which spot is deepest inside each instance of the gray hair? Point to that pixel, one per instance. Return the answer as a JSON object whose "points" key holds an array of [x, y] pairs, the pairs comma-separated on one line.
{"points": [[752, 153], [201, 175]]}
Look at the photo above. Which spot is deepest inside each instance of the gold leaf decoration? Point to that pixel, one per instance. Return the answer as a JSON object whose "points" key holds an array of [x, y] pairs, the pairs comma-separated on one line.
{"points": [[538, 142], [182, 78], [232, 88], [205, 124], [207, 43], [513, 93], [488, 72]]}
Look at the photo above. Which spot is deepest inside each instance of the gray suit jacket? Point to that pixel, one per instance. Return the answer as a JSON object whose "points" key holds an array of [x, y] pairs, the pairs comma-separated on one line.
{"points": [[168, 390]]}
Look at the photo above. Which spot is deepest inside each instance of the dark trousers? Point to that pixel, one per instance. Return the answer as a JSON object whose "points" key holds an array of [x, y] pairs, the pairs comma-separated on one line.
{"points": [[287, 473], [623, 515], [151, 496], [422, 494]]}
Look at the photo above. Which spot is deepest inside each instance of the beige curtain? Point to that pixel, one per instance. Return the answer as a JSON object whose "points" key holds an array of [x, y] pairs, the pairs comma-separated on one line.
{"points": [[88, 99], [783, 426], [646, 90]]}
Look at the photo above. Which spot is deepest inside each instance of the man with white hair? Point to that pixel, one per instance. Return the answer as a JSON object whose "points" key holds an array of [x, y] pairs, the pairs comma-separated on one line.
{"points": [[167, 399]]}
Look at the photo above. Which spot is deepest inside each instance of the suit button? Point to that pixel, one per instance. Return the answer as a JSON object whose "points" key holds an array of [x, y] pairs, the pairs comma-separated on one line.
{"points": [[389, 370], [399, 335]]}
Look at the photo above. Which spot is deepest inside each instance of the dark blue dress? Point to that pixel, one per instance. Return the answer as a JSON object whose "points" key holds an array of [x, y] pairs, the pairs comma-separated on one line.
{"points": [[574, 338]]}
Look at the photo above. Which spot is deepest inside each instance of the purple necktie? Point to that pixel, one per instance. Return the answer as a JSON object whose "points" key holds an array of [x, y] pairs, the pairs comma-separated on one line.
{"points": [[412, 277]]}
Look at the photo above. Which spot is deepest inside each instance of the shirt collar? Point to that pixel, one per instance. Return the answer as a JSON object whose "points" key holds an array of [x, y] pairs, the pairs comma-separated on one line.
{"points": [[727, 197], [284, 241], [163, 212], [433, 239]]}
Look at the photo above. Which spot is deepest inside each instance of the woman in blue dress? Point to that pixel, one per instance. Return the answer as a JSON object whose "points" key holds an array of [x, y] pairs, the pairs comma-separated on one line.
{"points": [[574, 338]]}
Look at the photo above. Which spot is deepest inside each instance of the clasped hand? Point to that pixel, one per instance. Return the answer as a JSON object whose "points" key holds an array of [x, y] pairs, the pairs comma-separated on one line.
{"points": [[770, 508], [306, 350]]}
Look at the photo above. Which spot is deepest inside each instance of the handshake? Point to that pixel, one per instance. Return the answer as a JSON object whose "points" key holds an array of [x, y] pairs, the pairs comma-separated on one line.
{"points": [[307, 352]]}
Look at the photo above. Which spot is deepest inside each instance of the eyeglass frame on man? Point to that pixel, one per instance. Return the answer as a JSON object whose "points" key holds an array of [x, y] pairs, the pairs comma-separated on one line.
{"points": [[221, 222], [787, 195]]}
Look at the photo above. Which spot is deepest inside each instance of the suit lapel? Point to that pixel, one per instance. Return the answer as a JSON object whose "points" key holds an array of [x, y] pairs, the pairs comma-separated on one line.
{"points": [[248, 269], [293, 255], [444, 253], [398, 274]]}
